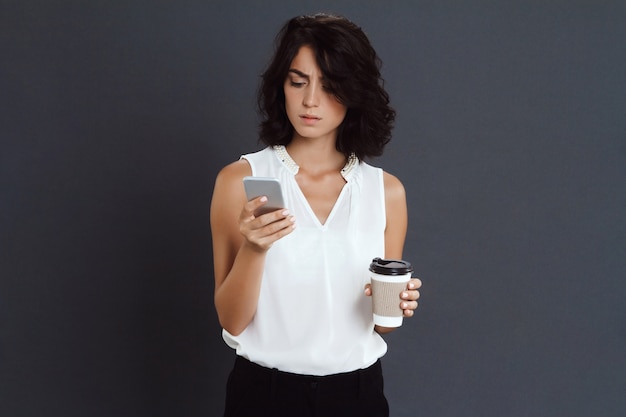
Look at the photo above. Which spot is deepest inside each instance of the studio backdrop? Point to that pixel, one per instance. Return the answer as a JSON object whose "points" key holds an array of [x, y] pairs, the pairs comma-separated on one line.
{"points": [[115, 118]]}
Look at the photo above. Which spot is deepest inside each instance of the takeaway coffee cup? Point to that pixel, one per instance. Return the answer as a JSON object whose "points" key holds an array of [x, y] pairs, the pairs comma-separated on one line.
{"points": [[389, 278]]}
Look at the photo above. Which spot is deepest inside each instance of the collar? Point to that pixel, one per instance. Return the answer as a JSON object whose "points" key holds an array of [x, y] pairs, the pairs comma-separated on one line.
{"points": [[290, 164]]}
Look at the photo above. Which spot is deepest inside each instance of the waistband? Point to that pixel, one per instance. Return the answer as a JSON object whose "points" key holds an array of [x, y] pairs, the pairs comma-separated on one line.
{"points": [[358, 380]]}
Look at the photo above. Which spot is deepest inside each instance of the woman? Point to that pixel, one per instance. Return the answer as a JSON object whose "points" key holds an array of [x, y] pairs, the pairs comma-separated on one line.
{"points": [[291, 285]]}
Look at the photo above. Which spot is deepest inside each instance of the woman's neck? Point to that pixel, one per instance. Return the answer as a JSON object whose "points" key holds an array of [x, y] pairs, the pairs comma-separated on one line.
{"points": [[316, 156]]}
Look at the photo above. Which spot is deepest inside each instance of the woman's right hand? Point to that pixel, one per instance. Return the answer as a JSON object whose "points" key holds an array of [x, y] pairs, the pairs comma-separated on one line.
{"points": [[261, 232]]}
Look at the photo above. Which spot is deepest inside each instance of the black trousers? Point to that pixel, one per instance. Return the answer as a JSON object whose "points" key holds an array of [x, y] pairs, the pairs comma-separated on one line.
{"points": [[254, 390]]}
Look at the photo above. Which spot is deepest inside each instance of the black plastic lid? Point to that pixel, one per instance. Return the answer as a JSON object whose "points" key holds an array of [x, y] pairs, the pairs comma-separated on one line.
{"points": [[390, 266]]}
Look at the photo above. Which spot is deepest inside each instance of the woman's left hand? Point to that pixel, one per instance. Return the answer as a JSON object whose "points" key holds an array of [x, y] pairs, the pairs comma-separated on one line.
{"points": [[408, 297]]}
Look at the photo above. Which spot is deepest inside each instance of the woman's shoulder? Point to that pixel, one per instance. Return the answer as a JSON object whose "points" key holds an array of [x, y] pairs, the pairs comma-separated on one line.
{"points": [[394, 188], [390, 181], [235, 171], [228, 191]]}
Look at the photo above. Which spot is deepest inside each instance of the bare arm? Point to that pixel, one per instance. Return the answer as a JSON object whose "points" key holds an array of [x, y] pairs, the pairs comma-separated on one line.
{"points": [[395, 234], [397, 217], [240, 242]]}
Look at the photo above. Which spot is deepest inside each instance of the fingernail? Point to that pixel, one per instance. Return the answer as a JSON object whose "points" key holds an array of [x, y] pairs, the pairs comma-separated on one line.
{"points": [[405, 295], [411, 285], [404, 305], [285, 212], [263, 199]]}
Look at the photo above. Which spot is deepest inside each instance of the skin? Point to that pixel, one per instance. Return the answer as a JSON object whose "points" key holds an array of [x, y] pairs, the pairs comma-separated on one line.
{"points": [[241, 240]]}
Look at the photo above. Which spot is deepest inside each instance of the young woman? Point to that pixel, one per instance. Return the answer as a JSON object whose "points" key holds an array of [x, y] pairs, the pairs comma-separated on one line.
{"points": [[291, 286]]}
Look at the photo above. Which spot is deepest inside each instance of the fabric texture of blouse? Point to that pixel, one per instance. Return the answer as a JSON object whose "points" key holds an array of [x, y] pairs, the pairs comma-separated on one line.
{"points": [[312, 316]]}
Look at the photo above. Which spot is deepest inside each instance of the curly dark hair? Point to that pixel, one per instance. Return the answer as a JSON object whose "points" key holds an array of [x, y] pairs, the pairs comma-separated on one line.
{"points": [[351, 68]]}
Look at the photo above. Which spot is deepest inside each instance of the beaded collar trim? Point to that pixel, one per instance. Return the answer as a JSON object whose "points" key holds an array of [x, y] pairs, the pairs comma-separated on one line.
{"points": [[286, 159]]}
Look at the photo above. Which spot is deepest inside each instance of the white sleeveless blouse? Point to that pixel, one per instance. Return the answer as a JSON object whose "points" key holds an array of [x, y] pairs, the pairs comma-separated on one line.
{"points": [[312, 316]]}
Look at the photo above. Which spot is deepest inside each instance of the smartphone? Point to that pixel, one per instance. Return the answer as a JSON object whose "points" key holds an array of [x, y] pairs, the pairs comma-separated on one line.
{"points": [[269, 187]]}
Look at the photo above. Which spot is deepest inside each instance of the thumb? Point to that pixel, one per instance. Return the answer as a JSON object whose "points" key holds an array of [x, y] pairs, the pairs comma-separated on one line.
{"points": [[368, 289]]}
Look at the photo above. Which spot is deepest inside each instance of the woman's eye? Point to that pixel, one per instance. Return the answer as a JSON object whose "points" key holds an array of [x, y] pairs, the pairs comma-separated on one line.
{"points": [[296, 84]]}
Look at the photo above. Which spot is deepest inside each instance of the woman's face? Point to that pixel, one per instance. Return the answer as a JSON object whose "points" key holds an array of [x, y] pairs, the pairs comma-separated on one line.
{"points": [[311, 109]]}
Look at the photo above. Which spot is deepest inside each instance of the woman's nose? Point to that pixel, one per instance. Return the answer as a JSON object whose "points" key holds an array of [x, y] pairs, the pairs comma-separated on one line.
{"points": [[311, 96]]}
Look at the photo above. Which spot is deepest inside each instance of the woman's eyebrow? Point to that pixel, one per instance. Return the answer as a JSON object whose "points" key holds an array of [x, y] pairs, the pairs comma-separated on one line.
{"points": [[299, 73], [303, 75]]}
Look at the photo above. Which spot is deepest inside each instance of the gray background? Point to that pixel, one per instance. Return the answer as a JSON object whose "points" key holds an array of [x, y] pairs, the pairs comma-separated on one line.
{"points": [[510, 139]]}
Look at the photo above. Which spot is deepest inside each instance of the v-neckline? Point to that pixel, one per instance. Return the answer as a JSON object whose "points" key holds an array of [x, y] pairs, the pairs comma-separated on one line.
{"points": [[346, 172]]}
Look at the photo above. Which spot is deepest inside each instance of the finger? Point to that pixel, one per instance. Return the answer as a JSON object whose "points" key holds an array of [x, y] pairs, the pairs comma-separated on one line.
{"points": [[285, 227], [274, 222], [266, 224], [260, 239], [269, 233], [273, 216], [254, 204], [414, 284], [410, 295], [247, 212], [408, 305]]}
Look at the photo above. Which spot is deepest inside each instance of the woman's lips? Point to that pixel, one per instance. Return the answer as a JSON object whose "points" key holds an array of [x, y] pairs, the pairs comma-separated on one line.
{"points": [[309, 119]]}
